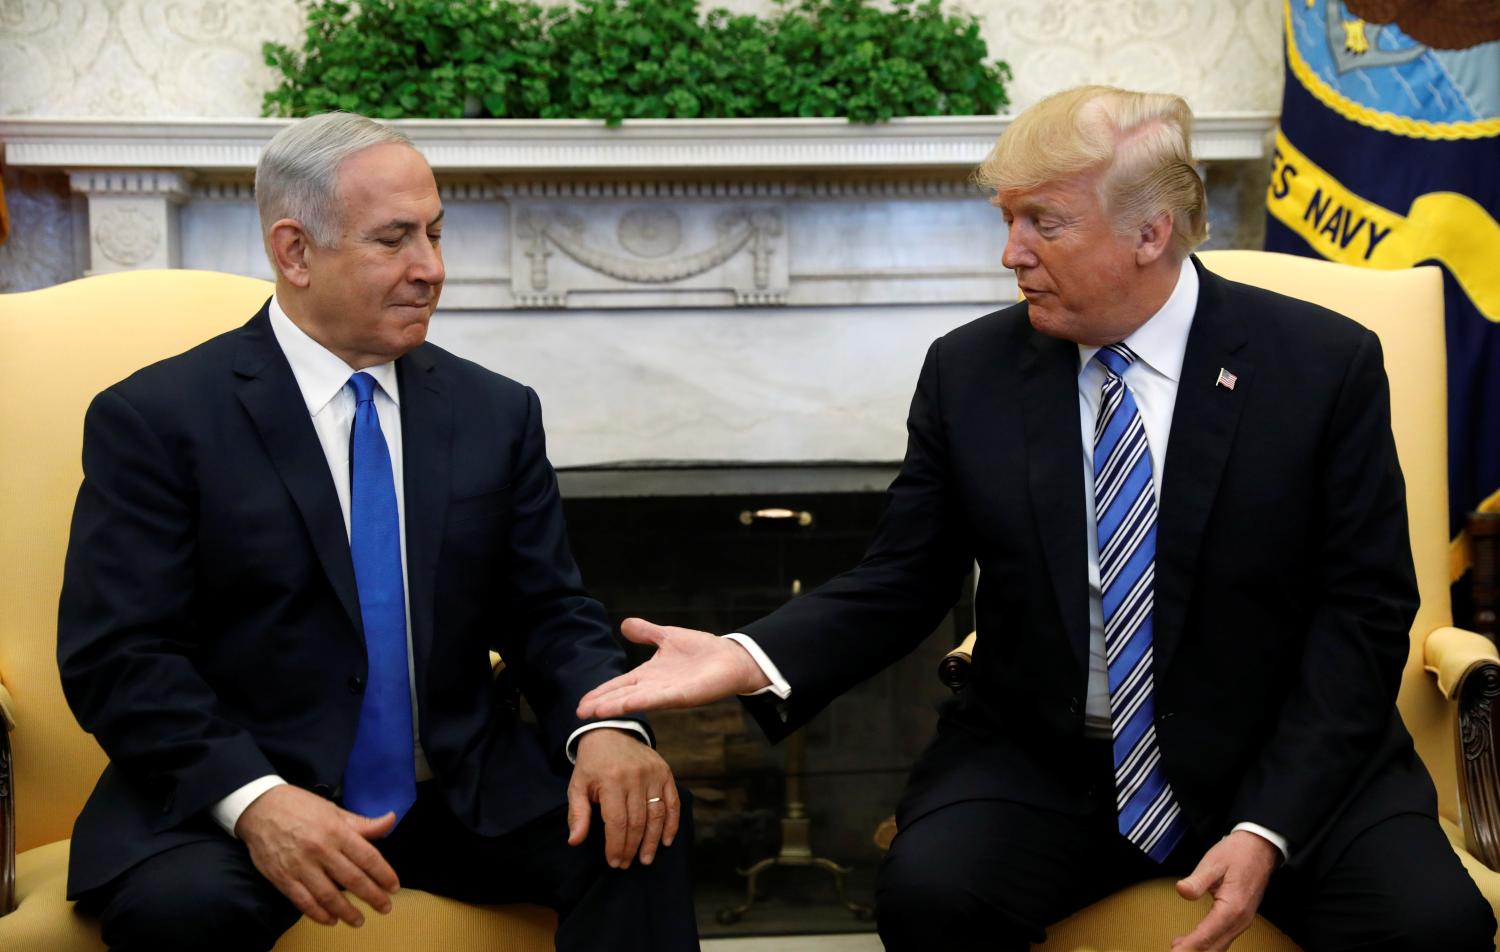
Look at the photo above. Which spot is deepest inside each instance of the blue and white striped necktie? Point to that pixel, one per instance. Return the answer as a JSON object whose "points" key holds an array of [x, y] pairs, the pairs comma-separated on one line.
{"points": [[1125, 511]]}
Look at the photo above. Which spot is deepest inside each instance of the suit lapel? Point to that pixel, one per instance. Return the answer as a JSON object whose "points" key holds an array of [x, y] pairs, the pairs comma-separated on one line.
{"points": [[427, 440], [268, 391], [1204, 420], [1054, 454]]}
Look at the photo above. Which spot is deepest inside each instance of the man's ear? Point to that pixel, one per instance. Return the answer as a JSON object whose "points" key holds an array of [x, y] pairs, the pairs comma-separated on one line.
{"points": [[290, 247], [1154, 239]]}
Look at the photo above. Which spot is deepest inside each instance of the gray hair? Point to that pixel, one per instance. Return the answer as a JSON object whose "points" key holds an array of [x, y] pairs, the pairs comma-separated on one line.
{"points": [[297, 175]]}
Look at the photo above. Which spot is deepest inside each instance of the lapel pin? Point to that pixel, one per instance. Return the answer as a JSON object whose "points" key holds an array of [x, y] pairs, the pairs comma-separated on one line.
{"points": [[1226, 379]]}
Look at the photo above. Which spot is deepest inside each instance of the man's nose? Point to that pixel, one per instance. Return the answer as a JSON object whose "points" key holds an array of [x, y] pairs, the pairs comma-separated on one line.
{"points": [[1016, 254], [427, 268]]}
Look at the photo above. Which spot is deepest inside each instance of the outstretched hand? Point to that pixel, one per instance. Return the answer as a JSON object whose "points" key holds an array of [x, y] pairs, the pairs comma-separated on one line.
{"points": [[689, 668]]}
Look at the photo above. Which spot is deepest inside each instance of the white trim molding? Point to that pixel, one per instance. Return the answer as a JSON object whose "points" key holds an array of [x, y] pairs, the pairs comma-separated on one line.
{"points": [[559, 145]]}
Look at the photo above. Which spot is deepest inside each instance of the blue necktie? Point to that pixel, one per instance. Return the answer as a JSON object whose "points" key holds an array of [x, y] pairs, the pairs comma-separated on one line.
{"points": [[1125, 510], [381, 773]]}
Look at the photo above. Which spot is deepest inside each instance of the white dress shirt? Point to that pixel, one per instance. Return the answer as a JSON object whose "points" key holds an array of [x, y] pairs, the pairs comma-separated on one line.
{"points": [[1160, 344], [323, 379]]}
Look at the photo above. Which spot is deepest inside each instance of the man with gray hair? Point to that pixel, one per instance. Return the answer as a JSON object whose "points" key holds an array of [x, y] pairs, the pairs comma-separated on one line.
{"points": [[1194, 595], [293, 551]]}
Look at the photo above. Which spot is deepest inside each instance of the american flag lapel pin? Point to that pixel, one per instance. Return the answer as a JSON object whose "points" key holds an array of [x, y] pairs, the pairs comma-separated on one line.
{"points": [[1226, 379]]}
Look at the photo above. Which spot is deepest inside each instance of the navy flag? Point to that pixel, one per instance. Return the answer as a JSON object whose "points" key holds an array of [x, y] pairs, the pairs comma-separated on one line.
{"points": [[1388, 156]]}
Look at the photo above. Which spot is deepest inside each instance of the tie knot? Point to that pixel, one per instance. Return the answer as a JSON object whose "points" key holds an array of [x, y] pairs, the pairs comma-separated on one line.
{"points": [[364, 387], [1115, 358]]}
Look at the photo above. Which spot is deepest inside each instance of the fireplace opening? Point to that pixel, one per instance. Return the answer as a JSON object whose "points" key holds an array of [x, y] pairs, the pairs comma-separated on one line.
{"points": [[714, 547]]}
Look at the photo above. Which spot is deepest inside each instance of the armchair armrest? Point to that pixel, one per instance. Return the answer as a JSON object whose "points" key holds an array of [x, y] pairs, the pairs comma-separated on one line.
{"points": [[7, 807], [1453, 654], [1467, 670], [953, 670]]}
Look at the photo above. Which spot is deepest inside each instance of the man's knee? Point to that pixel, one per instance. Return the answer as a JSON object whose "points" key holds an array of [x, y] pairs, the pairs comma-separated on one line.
{"points": [[183, 905], [1398, 887], [155, 919], [921, 899], [912, 908], [1463, 922]]}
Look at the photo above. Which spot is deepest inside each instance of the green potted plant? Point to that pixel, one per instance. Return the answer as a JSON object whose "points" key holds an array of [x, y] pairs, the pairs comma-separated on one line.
{"points": [[630, 59]]}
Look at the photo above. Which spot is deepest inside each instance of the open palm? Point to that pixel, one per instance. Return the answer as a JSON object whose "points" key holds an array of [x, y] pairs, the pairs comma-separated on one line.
{"points": [[689, 668]]}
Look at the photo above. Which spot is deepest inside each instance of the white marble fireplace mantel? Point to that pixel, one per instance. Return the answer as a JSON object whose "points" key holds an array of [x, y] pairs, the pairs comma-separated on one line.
{"points": [[753, 290], [579, 144]]}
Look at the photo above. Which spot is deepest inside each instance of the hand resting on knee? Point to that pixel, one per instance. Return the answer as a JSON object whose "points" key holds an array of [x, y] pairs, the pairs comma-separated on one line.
{"points": [[311, 850]]}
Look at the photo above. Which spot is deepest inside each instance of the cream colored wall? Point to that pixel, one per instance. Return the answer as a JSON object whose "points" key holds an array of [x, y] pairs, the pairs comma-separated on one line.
{"points": [[202, 57], [1222, 55], [135, 58]]}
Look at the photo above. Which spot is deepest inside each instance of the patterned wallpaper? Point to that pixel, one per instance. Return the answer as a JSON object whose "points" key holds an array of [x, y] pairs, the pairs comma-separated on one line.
{"points": [[138, 57], [1222, 55], [202, 57]]}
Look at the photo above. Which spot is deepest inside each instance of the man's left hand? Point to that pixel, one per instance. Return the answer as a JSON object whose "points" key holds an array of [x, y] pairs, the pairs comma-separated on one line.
{"points": [[635, 792], [1236, 871]]}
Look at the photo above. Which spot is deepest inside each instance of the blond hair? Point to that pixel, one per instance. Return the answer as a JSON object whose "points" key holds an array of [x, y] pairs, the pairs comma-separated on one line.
{"points": [[1137, 144], [297, 175]]}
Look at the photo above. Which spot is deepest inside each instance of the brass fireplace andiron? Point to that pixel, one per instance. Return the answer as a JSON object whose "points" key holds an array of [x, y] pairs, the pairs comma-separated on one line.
{"points": [[796, 841]]}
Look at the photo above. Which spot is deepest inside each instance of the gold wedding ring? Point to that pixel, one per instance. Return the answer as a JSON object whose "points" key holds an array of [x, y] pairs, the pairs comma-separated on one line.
{"points": [[654, 800]]}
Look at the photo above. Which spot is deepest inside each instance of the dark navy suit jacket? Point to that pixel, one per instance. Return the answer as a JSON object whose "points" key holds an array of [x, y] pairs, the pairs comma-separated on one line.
{"points": [[209, 630], [1284, 590]]}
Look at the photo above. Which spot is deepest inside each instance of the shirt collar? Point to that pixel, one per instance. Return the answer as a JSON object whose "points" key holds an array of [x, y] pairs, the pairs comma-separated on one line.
{"points": [[320, 374], [1161, 342]]}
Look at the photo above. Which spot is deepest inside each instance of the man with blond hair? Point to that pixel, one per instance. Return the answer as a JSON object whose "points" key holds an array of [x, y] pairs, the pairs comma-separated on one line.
{"points": [[1194, 587], [293, 551]]}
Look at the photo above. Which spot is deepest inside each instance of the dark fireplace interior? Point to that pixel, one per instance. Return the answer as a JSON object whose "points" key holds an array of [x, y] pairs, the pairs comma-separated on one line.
{"points": [[714, 548]]}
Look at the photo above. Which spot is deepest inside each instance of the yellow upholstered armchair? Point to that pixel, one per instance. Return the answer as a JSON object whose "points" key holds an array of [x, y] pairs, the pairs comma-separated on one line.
{"points": [[61, 346], [1452, 677]]}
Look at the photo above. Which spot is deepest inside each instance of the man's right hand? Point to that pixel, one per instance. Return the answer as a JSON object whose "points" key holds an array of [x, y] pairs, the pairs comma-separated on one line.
{"points": [[310, 849], [689, 668]]}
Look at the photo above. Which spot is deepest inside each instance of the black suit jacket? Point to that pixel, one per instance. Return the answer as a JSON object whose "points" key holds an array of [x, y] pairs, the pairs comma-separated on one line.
{"points": [[1284, 582], [209, 630]]}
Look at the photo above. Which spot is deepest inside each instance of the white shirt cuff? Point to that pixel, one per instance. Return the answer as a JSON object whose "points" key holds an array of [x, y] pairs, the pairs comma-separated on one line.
{"points": [[227, 811], [572, 746], [778, 685], [1275, 839]]}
